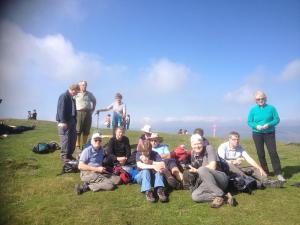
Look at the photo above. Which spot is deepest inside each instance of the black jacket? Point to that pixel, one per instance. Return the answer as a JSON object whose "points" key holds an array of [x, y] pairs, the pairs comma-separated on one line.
{"points": [[66, 108]]}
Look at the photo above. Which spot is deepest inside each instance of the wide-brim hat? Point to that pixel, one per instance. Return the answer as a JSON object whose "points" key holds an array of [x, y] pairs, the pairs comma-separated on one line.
{"points": [[155, 136], [147, 129]]}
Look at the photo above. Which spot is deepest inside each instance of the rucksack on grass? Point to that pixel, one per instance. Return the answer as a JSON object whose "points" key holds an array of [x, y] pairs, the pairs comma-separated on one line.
{"points": [[42, 148]]}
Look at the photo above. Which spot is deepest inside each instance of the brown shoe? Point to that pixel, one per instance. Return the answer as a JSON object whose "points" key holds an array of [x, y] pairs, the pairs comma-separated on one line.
{"points": [[217, 202], [230, 200]]}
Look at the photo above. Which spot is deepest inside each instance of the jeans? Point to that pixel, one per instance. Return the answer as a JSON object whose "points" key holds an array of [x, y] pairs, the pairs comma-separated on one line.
{"points": [[269, 139], [148, 178]]}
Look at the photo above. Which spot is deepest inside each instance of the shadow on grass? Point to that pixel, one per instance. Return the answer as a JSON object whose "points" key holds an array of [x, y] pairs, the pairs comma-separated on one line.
{"points": [[289, 171]]}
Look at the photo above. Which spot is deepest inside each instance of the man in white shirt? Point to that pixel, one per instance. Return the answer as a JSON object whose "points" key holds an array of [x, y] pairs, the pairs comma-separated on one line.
{"points": [[235, 154]]}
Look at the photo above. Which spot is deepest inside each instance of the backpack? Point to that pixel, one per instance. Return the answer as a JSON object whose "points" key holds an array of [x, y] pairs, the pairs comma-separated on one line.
{"points": [[42, 148], [123, 174], [70, 167], [238, 183], [191, 181]]}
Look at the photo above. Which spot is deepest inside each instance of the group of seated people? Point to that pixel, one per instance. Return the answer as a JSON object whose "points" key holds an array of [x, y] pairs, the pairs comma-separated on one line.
{"points": [[157, 168]]}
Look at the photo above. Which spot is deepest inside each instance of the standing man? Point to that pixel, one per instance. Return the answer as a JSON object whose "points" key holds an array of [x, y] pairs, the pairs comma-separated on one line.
{"points": [[85, 105], [66, 118]]}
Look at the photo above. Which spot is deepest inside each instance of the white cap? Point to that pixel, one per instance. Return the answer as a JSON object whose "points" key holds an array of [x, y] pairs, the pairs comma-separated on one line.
{"points": [[97, 135], [196, 138]]}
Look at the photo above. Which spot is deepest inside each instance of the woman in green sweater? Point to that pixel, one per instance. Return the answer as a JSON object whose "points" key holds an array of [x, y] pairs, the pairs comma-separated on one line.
{"points": [[262, 119]]}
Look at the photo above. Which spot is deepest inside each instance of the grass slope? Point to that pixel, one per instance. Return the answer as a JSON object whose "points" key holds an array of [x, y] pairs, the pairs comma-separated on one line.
{"points": [[31, 193]]}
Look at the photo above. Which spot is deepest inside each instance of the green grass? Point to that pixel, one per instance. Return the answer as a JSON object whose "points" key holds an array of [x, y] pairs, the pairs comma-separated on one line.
{"points": [[31, 193]]}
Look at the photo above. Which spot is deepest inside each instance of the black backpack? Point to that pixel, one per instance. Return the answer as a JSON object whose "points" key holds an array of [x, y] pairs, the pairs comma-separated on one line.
{"points": [[43, 148], [238, 183], [70, 167]]}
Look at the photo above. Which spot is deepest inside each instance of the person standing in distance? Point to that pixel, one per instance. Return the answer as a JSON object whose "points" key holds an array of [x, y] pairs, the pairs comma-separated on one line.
{"points": [[85, 105], [66, 118], [262, 119], [119, 112]]}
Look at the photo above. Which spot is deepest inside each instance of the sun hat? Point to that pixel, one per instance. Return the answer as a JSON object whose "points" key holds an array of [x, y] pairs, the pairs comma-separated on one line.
{"points": [[196, 138], [155, 136], [96, 135], [146, 129]]}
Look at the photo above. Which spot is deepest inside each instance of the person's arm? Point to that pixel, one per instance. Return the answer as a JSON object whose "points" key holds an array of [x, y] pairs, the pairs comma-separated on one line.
{"points": [[127, 148], [93, 100], [157, 166], [275, 119], [105, 109], [86, 167], [250, 121]]}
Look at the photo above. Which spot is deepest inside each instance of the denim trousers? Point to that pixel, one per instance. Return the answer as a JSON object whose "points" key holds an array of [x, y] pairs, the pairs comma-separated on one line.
{"points": [[148, 178]]}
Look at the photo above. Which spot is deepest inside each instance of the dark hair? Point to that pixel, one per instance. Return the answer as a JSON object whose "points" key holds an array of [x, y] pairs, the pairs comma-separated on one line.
{"points": [[199, 131]]}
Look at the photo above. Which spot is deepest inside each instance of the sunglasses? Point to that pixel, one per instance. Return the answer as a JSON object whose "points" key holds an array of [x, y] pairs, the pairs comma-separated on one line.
{"points": [[260, 99], [97, 140]]}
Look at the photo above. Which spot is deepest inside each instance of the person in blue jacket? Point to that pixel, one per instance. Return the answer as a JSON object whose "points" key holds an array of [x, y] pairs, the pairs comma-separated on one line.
{"points": [[262, 119]]}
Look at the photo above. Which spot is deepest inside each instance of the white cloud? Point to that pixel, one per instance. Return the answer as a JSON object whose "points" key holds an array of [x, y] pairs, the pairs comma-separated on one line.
{"points": [[244, 94], [166, 76], [291, 71]]}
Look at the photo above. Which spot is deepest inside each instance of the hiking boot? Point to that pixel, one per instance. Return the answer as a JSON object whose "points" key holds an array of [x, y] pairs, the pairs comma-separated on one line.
{"points": [[281, 178], [273, 184], [80, 189], [217, 202], [149, 196], [230, 200], [161, 195]]}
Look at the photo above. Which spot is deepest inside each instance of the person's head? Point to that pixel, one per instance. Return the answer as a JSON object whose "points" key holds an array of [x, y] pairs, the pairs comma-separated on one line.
{"points": [[119, 133], [108, 115], [83, 85], [34, 110], [96, 141], [29, 112], [260, 98], [144, 148], [199, 131], [197, 143], [118, 98], [234, 139], [147, 130], [155, 139], [73, 89]]}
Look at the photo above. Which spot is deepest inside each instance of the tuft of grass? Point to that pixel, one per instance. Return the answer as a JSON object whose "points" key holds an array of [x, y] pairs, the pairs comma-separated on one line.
{"points": [[32, 193]]}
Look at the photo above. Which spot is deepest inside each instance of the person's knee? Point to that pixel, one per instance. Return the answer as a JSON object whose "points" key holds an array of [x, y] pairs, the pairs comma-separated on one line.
{"points": [[202, 171], [196, 197]]}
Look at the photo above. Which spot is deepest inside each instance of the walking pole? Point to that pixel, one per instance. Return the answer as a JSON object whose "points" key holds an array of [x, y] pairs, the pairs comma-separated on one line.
{"points": [[98, 121]]}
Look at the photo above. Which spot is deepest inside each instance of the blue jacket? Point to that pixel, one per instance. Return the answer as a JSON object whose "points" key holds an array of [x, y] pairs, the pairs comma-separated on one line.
{"points": [[66, 108]]}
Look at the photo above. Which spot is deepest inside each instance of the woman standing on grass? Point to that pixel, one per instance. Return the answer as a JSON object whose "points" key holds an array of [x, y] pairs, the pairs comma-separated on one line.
{"points": [[262, 119]]}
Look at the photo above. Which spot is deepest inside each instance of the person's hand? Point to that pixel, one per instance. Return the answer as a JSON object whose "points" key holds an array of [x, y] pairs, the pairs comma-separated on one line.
{"points": [[100, 169], [121, 160], [97, 112], [159, 167], [193, 169], [266, 126], [262, 172], [259, 127], [144, 159], [63, 125]]}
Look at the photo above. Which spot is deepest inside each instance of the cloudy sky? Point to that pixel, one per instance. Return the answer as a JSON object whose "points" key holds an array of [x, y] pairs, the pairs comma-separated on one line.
{"points": [[193, 61]]}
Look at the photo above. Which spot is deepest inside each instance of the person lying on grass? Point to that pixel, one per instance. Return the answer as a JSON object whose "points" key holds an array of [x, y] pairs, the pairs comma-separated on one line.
{"points": [[150, 175], [92, 172], [213, 182]]}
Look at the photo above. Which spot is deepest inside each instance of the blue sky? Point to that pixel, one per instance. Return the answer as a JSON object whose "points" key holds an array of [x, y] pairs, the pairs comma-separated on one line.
{"points": [[175, 62]]}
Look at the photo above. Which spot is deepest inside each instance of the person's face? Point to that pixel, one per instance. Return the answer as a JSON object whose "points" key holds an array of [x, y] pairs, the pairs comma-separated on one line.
{"points": [[119, 133], [197, 146], [118, 100], [82, 86], [234, 141], [73, 92], [96, 143], [154, 143], [260, 99], [147, 135]]}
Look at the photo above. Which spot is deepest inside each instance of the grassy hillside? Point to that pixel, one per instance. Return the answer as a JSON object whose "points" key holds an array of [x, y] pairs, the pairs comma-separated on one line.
{"points": [[32, 193]]}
